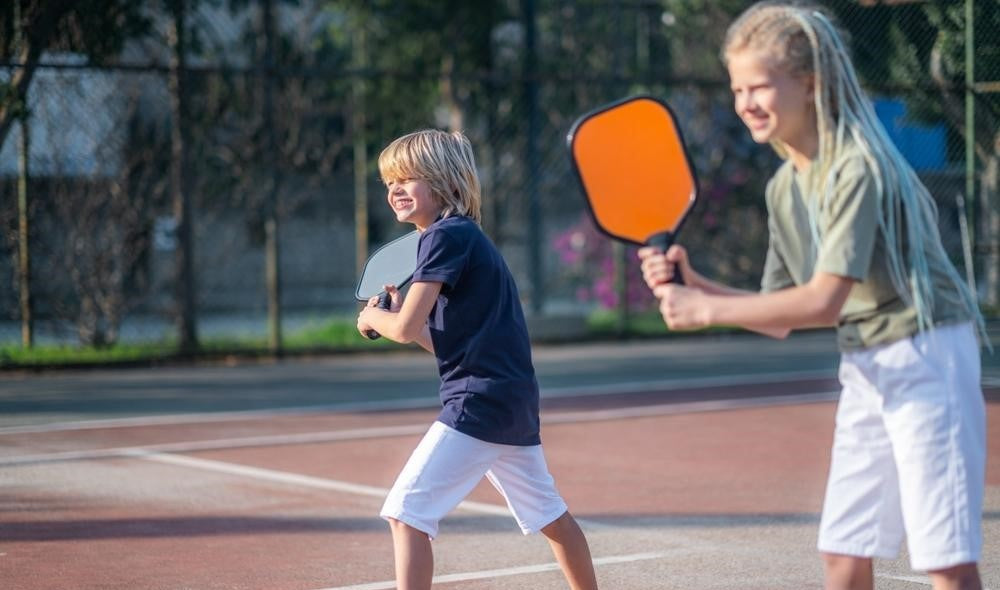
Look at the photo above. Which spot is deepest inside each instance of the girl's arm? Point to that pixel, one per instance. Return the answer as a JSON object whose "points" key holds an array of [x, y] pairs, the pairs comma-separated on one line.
{"points": [[409, 323], [659, 268], [816, 303]]}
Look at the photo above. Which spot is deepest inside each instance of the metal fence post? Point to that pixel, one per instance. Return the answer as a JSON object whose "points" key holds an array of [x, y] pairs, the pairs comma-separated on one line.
{"points": [[970, 127], [531, 158]]}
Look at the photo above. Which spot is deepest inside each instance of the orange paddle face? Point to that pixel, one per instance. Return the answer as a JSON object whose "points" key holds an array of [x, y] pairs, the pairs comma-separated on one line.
{"points": [[634, 169]]}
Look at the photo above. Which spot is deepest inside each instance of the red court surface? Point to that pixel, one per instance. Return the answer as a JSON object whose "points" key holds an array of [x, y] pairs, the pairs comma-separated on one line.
{"points": [[689, 495]]}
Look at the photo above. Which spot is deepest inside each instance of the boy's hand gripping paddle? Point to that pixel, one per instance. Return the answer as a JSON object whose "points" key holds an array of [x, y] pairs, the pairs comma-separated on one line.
{"points": [[391, 264], [635, 171]]}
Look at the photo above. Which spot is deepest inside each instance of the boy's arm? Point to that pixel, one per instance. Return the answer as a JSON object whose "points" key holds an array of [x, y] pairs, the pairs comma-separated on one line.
{"points": [[816, 303], [409, 324], [424, 340]]}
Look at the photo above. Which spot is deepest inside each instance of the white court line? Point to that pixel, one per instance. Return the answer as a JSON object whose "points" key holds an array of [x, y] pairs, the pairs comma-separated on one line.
{"points": [[922, 580], [688, 408], [510, 571], [299, 480], [411, 429], [224, 443], [429, 401]]}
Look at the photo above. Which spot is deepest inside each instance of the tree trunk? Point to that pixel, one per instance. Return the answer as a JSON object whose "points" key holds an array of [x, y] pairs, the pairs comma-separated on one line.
{"points": [[184, 273], [35, 35], [23, 237], [358, 124], [449, 94], [271, 225]]}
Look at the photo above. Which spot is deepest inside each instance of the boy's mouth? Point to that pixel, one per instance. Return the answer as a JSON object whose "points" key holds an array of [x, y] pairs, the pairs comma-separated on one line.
{"points": [[402, 203]]}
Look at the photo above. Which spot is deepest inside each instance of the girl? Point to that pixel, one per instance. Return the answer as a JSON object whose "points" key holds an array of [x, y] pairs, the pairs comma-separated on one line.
{"points": [[854, 243], [463, 307]]}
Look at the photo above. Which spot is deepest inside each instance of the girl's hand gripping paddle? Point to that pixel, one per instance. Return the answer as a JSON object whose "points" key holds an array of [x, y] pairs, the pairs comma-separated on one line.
{"points": [[635, 171], [391, 264]]}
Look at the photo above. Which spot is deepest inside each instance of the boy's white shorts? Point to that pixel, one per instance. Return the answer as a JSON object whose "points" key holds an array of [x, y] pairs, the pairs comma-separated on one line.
{"points": [[447, 465], [909, 452]]}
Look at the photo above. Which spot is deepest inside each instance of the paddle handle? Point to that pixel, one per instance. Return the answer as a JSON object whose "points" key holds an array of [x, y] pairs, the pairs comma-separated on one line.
{"points": [[662, 242], [384, 302]]}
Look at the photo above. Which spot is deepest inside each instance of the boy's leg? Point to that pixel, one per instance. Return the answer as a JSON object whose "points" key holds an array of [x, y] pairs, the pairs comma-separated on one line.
{"points": [[847, 572], [571, 551], [440, 473], [960, 577], [414, 559], [523, 477]]}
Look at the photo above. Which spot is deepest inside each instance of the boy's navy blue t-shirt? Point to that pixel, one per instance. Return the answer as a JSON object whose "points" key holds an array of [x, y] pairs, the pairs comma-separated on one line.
{"points": [[488, 386]]}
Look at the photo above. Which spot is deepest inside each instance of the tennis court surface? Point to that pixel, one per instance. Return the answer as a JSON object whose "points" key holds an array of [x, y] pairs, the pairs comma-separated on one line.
{"points": [[695, 463]]}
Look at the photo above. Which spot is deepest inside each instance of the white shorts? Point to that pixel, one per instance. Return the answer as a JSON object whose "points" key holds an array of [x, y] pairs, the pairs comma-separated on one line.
{"points": [[447, 465], [909, 452]]}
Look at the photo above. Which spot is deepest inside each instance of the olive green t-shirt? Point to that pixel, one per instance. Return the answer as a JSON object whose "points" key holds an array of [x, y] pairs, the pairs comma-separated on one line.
{"points": [[851, 245]]}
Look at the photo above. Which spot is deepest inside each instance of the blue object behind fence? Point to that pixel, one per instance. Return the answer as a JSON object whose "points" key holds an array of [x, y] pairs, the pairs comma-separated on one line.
{"points": [[923, 146]]}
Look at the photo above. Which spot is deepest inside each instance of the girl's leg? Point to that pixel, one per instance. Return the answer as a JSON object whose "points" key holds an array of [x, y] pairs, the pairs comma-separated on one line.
{"points": [[846, 572], [936, 417], [414, 559], [960, 577], [571, 551]]}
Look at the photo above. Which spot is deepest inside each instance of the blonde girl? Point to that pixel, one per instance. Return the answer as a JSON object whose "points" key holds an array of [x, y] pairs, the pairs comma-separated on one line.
{"points": [[854, 244], [463, 307]]}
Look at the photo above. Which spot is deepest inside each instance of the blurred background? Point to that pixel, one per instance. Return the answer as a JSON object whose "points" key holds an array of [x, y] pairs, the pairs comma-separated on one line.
{"points": [[195, 177]]}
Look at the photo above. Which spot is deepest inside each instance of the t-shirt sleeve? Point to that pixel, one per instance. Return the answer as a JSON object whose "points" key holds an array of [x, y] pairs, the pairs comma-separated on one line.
{"points": [[849, 224], [440, 258]]}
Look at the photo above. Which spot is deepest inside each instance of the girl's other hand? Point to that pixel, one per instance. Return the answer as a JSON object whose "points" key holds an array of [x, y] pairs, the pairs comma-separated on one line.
{"points": [[683, 308]]}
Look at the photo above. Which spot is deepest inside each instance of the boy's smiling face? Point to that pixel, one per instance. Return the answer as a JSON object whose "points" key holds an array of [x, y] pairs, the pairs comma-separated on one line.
{"points": [[412, 202]]}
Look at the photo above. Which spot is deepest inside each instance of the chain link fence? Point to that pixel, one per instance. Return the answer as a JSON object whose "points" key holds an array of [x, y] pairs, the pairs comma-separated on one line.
{"points": [[280, 139]]}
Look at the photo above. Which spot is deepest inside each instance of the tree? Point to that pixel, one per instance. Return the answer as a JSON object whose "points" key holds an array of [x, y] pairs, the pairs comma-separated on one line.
{"points": [[27, 29], [95, 28]]}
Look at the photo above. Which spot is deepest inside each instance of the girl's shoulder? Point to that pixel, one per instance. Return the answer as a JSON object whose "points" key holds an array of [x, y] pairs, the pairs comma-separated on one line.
{"points": [[780, 183]]}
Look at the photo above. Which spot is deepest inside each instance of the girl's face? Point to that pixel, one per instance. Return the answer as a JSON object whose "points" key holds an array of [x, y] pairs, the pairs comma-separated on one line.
{"points": [[412, 202], [772, 103]]}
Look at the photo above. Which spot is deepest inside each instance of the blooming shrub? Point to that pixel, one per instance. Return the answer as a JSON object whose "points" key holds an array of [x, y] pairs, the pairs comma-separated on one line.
{"points": [[588, 260]]}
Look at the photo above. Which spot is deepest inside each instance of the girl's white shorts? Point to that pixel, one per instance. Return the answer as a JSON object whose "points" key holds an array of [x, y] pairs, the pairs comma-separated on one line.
{"points": [[447, 465], [909, 452]]}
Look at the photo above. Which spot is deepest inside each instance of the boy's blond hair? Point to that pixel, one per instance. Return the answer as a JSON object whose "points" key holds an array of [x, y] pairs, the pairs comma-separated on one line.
{"points": [[444, 161]]}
